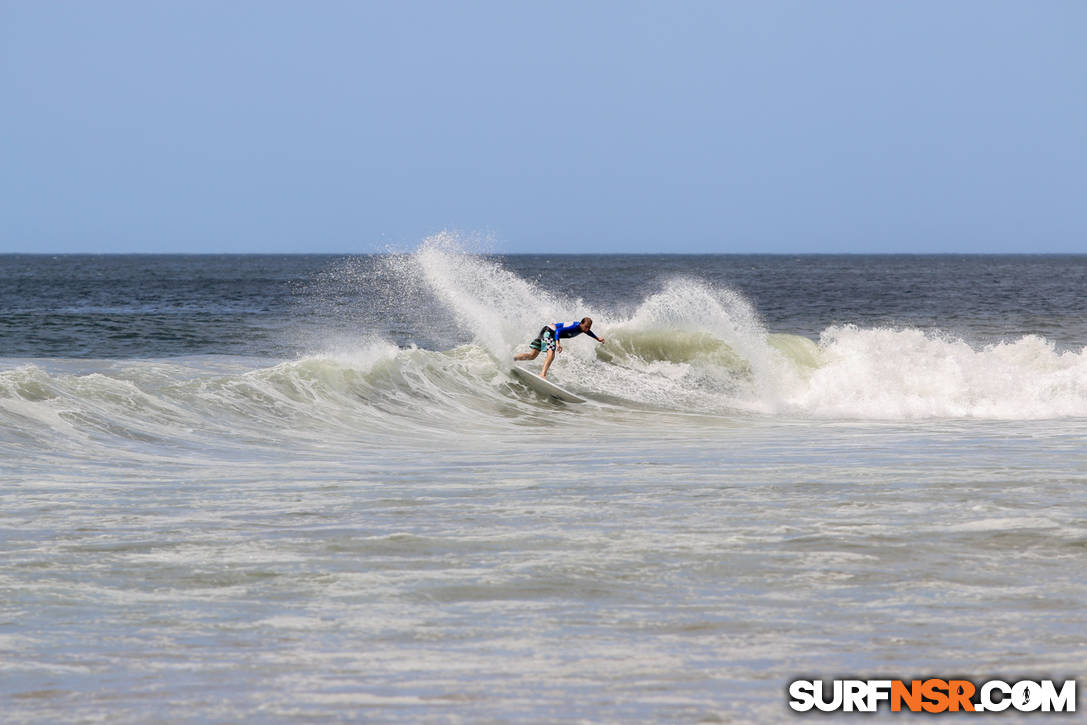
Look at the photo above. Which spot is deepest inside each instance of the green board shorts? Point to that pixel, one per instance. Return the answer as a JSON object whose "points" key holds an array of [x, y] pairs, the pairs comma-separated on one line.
{"points": [[544, 341]]}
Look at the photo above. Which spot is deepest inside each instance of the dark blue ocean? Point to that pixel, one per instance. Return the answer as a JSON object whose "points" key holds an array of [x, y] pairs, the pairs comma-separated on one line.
{"points": [[139, 306]]}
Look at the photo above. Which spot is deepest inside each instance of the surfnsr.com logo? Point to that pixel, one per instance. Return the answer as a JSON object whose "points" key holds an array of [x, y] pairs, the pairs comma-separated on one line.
{"points": [[932, 695]]}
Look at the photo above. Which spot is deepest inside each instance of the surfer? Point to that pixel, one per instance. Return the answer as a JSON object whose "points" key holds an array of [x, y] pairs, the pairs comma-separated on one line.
{"points": [[548, 339]]}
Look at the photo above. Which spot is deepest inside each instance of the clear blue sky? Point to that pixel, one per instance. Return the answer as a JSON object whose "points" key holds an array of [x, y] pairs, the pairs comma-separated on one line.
{"points": [[594, 126]]}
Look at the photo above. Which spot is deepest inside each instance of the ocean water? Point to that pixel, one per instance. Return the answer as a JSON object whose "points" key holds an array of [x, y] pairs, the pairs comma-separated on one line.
{"points": [[306, 489]]}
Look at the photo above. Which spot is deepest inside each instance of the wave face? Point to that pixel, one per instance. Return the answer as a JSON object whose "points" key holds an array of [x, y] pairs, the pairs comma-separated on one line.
{"points": [[688, 347], [695, 346]]}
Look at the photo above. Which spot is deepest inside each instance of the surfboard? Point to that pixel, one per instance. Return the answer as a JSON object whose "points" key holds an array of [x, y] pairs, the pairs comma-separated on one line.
{"points": [[544, 386]]}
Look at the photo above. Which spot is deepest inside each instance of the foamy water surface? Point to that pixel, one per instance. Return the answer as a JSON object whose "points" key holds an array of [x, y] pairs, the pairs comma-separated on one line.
{"points": [[320, 496]]}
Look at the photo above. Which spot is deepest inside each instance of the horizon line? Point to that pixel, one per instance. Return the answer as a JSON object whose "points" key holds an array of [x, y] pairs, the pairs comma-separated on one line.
{"points": [[553, 254]]}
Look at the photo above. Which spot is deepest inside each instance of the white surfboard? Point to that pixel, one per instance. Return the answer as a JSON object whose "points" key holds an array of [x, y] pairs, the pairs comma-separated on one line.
{"points": [[544, 386]]}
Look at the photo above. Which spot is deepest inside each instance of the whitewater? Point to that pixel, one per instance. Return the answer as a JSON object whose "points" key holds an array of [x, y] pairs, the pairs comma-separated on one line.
{"points": [[284, 489]]}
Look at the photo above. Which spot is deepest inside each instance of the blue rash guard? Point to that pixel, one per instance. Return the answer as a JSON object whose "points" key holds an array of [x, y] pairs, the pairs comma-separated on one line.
{"points": [[548, 339], [571, 330]]}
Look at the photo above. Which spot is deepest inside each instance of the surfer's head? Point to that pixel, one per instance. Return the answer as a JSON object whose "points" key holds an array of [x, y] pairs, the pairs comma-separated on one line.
{"points": [[586, 324]]}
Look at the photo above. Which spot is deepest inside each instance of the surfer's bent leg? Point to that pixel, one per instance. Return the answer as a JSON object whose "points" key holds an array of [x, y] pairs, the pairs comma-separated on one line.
{"points": [[537, 345], [549, 341]]}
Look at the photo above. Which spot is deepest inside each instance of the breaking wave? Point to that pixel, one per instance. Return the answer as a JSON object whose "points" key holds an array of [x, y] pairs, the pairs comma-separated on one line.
{"points": [[687, 347]]}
